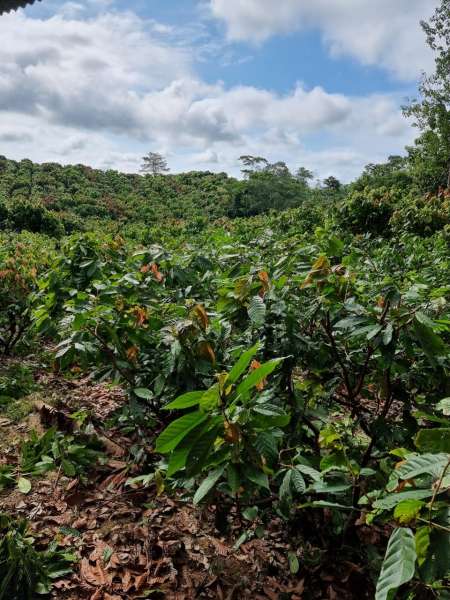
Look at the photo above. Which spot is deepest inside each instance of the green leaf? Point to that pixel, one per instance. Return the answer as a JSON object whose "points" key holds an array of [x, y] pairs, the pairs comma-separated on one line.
{"points": [[257, 311], [431, 343], [266, 444], [325, 487], [433, 440], [294, 565], [208, 483], [177, 461], [408, 511], [68, 468], [258, 375], [42, 588], [444, 406], [242, 364], [185, 401], [241, 539], [399, 563], [284, 492], [250, 513], [143, 393], [297, 481], [177, 430], [210, 398], [326, 504], [387, 334], [422, 464], [256, 476], [24, 485], [200, 451], [373, 332], [422, 539], [388, 502], [307, 470], [234, 478]]}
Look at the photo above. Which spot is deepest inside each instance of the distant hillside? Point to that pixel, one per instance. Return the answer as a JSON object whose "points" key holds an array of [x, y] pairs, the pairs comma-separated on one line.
{"points": [[54, 198]]}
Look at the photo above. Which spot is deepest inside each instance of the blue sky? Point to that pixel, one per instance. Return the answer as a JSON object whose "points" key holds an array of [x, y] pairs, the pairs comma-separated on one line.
{"points": [[317, 83]]}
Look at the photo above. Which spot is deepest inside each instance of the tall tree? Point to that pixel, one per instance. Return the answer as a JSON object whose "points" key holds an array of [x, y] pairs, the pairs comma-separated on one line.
{"points": [[431, 112], [304, 176], [332, 183], [253, 164], [154, 163]]}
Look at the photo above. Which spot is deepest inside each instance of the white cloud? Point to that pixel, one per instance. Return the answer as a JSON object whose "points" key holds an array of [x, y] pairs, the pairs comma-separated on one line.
{"points": [[105, 90], [374, 32], [83, 73]]}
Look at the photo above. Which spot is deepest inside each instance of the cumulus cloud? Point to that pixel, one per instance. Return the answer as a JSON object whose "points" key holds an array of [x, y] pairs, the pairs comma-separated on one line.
{"points": [[87, 74], [106, 89], [385, 33]]}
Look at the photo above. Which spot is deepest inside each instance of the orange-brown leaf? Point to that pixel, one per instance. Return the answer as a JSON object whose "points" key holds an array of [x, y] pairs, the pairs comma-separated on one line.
{"points": [[206, 351], [201, 315], [156, 273]]}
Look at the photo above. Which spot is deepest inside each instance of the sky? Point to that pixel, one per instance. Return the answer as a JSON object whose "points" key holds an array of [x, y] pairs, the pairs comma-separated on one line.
{"points": [[314, 83]]}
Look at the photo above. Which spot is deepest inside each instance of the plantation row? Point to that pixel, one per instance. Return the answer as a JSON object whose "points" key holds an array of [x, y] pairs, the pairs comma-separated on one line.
{"points": [[273, 364]]}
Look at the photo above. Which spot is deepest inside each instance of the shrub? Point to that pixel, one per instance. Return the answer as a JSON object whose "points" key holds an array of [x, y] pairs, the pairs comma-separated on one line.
{"points": [[24, 570]]}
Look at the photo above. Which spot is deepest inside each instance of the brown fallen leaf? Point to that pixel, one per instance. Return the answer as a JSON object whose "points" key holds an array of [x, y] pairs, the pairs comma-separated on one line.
{"points": [[94, 574]]}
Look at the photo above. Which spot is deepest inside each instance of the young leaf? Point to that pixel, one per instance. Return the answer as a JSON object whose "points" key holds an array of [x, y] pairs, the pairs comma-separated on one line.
{"points": [[294, 565], [24, 485], [408, 511], [211, 398], [399, 563], [208, 483], [177, 430]]}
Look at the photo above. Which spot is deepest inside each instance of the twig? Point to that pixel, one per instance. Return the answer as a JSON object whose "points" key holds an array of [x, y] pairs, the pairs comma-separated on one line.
{"points": [[438, 487]]}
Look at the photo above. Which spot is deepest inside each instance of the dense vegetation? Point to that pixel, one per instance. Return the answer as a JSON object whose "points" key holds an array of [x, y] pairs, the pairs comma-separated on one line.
{"points": [[58, 200], [285, 350]]}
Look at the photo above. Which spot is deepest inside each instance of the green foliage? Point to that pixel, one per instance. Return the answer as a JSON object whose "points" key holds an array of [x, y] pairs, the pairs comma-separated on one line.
{"points": [[26, 571], [16, 381], [431, 112], [224, 435], [74, 454], [22, 258], [211, 282], [399, 563]]}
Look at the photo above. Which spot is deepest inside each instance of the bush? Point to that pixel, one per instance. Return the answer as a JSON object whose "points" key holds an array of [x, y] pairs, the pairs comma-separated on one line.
{"points": [[422, 216], [24, 570], [368, 211], [23, 215], [21, 259]]}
